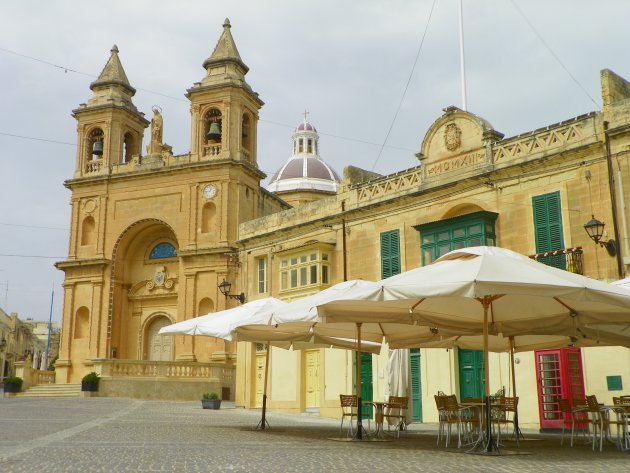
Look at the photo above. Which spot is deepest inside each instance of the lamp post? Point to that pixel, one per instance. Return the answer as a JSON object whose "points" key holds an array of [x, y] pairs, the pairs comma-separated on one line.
{"points": [[595, 229], [225, 287]]}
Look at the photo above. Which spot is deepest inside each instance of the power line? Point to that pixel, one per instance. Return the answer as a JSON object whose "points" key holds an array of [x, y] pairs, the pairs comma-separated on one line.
{"points": [[7, 224], [36, 139], [31, 256], [542, 40], [179, 99], [413, 68]]}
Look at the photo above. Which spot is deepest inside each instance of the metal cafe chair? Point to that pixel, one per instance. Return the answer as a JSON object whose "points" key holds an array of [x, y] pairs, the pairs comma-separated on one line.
{"points": [[349, 408]]}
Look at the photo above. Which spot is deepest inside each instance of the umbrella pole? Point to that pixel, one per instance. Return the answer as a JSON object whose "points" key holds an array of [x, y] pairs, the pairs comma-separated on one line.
{"points": [[359, 435], [491, 445], [517, 429], [263, 421]]}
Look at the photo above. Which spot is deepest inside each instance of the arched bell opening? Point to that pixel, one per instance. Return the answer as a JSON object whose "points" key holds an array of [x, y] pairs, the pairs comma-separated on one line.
{"points": [[95, 149], [213, 126], [246, 132], [130, 147]]}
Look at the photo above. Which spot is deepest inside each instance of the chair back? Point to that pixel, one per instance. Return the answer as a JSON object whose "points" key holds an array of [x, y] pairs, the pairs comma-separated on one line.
{"points": [[398, 402], [509, 404], [439, 401], [450, 403], [592, 404], [579, 403], [348, 400], [564, 406]]}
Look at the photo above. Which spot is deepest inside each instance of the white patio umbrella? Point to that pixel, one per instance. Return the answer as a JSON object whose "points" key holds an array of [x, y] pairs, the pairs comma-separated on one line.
{"points": [[490, 289]]}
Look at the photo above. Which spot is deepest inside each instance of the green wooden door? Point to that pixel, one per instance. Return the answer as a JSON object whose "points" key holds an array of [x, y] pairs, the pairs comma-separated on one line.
{"points": [[471, 373], [366, 381], [416, 385]]}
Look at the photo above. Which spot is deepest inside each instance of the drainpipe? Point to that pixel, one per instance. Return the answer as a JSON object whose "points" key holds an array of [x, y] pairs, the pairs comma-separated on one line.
{"points": [[624, 222], [343, 239], [613, 201]]}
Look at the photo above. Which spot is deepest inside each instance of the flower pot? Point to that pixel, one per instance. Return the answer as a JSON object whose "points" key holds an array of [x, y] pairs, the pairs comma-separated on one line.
{"points": [[89, 386], [211, 403]]}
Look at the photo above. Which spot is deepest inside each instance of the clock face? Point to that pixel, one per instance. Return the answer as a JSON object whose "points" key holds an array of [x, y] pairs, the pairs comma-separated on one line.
{"points": [[209, 191]]}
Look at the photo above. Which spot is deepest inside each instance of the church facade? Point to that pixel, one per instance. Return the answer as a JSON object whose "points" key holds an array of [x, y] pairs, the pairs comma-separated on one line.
{"points": [[154, 234]]}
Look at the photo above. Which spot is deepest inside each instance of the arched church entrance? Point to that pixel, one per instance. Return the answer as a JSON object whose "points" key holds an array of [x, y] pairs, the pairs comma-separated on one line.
{"points": [[159, 348]]}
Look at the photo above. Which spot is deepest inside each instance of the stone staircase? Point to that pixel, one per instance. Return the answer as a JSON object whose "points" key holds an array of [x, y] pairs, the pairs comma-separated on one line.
{"points": [[52, 390]]}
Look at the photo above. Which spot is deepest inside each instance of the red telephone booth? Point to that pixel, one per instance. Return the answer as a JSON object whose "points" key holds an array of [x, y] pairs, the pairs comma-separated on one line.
{"points": [[559, 375]]}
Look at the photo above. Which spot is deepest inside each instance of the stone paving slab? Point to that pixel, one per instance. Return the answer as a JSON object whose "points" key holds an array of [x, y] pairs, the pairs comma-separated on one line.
{"points": [[124, 435]]}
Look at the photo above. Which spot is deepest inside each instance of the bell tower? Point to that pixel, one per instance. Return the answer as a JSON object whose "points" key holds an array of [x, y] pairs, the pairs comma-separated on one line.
{"points": [[110, 127], [224, 108]]}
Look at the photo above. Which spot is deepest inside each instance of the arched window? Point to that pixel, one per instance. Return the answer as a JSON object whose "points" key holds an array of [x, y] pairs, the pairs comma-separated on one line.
{"points": [[163, 250], [205, 306], [208, 213], [82, 322], [246, 133], [95, 149], [88, 231], [213, 126], [129, 147]]}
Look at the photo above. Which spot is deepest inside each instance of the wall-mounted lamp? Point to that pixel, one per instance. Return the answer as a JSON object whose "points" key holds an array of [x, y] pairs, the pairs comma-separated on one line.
{"points": [[595, 230], [225, 287]]}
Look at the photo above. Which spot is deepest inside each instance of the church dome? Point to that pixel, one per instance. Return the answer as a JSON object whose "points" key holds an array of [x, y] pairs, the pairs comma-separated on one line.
{"points": [[305, 170]]}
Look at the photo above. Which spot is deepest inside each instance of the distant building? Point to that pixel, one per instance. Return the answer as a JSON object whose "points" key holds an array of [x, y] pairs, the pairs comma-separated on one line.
{"points": [[17, 343]]}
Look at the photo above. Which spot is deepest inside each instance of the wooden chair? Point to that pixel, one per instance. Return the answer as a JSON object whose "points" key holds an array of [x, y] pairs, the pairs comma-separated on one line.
{"points": [[455, 415], [442, 415], [568, 417], [507, 412], [397, 411], [348, 409]]}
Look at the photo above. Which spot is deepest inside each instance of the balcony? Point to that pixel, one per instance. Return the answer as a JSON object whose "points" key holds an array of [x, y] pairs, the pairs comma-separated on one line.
{"points": [[569, 259]]}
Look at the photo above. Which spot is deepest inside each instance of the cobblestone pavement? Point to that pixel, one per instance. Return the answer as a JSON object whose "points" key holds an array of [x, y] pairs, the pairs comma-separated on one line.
{"points": [[123, 435]]}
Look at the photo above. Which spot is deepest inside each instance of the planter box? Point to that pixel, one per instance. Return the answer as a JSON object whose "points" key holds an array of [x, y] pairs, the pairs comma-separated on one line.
{"points": [[11, 388], [211, 403], [89, 386]]}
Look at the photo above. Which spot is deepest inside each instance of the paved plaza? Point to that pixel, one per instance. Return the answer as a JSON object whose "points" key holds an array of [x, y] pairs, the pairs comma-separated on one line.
{"points": [[124, 435]]}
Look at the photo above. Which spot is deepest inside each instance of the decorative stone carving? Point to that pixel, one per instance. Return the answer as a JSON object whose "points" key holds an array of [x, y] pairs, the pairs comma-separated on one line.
{"points": [[161, 279], [452, 137]]}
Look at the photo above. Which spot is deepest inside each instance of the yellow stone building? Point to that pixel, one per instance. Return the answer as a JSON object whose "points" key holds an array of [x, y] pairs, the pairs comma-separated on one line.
{"points": [[153, 235]]}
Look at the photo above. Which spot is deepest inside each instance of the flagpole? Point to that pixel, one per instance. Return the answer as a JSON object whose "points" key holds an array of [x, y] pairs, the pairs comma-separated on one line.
{"points": [[52, 298], [461, 55]]}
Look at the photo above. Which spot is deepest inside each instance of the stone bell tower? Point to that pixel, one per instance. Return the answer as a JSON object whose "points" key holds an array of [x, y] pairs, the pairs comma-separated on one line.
{"points": [[110, 127], [224, 107]]}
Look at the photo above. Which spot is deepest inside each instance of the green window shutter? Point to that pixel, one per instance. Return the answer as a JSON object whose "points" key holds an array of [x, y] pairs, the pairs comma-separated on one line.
{"points": [[548, 227], [416, 386], [390, 253]]}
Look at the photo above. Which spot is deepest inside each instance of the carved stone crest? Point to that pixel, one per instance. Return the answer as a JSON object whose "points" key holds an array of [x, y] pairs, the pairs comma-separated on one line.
{"points": [[452, 137], [161, 279]]}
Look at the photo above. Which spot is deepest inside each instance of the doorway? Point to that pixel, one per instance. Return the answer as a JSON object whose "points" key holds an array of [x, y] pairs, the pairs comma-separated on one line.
{"points": [[471, 373]]}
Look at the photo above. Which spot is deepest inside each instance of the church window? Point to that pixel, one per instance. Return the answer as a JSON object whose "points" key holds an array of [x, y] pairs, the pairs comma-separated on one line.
{"points": [[163, 250], [309, 146], [95, 149], [301, 145], [88, 231]]}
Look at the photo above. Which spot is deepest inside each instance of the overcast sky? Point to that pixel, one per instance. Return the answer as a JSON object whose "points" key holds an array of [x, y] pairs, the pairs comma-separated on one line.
{"points": [[529, 63]]}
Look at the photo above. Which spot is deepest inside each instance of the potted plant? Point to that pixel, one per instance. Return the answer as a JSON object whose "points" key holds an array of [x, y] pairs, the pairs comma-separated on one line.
{"points": [[90, 382], [210, 401], [13, 384]]}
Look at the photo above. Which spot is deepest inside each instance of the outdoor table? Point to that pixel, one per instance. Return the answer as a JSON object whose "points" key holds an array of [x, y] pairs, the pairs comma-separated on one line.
{"points": [[485, 438], [620, 412], [378, 417]]}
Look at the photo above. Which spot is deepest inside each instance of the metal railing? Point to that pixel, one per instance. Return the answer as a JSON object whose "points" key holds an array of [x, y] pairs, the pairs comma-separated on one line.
{"points": [[569, 259]]}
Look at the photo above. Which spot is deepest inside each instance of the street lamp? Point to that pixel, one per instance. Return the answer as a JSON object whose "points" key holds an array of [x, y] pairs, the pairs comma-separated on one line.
{"points": [[595, 230], [225, 287]]}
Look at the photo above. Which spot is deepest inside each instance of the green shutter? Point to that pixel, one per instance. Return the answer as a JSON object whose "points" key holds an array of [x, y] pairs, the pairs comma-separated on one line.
{"points": [[390, 253], [548, 227], [416, 392]]}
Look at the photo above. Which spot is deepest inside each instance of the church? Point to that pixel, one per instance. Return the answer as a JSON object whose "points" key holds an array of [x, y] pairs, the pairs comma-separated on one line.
{"points": [[158, 238]]}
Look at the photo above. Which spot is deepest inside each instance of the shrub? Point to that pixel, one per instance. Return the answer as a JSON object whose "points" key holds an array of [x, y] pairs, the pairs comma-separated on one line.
{"points": [[91, 378], [14, 381], [211, 396]]}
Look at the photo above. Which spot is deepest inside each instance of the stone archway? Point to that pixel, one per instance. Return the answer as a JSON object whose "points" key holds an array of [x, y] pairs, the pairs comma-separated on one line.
{"points": [[158, 347]]}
